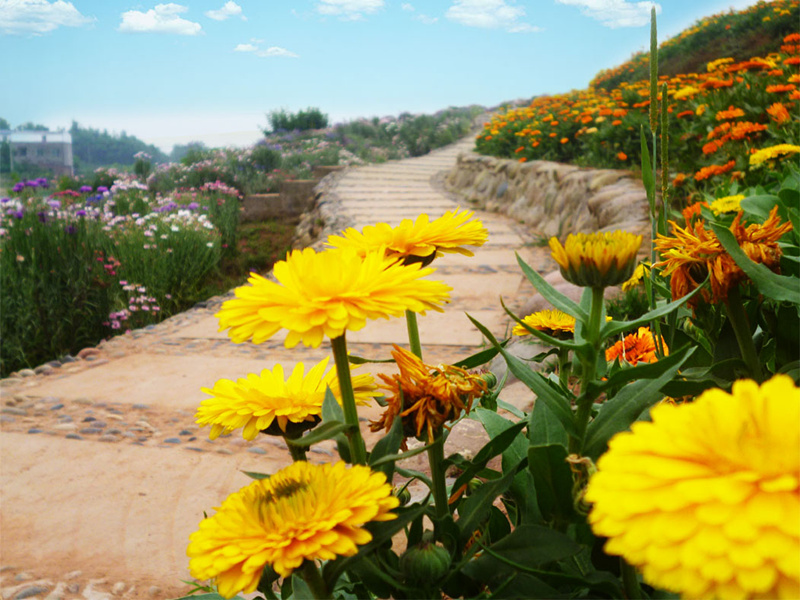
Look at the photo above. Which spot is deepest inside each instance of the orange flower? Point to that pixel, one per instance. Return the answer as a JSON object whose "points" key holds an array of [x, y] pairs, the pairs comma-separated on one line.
{"points": [[777, 89], [713, 170], [742, 130], [622, 156], [685, 113], [564, 140], [778, 113], [523, 159], [713, 146], [426, 397], [792, 38], [692, 211], [679, 179], [731, 113], [792, 60], [760, 241], [636, 347]]}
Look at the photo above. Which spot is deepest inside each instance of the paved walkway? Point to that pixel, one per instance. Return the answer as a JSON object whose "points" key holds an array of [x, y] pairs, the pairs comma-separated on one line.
{"points": [[104, 473]]}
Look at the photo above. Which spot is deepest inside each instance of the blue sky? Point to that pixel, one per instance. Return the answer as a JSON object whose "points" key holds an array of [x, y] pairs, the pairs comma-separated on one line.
{"points": [[211, 70]]}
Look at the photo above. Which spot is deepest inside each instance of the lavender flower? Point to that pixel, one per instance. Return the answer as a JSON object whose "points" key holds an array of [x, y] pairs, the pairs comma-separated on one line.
{"points": [[18, 187], [54, 203], [86, 189]]}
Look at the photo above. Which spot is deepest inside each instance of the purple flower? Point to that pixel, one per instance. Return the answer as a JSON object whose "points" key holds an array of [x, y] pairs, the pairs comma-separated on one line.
{"points": [[4, 200], [102, 189], [54, 203], [18, 187], [31, 183], [80, 213], [193, 206], [42, 216], [86, 189], [70, 229], [19, 214], [42, 182]]}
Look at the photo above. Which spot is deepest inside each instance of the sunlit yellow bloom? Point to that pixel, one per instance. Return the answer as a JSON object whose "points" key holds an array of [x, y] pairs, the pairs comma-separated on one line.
{"points": [[261, 401], [759, 157], [641, 271], [320, 294], [636, 347], [597, 259], [552, 322], [426, 397], [705, 499], [716, 65], [417, 240], [303, 511], [726, 204], [686, 92]]}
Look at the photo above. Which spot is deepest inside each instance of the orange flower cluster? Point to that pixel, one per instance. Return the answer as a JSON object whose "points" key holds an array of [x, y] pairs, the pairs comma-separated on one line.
{"points": [[714, 170], [731, 113], [694, 253], [636, 347], [778, 113]]}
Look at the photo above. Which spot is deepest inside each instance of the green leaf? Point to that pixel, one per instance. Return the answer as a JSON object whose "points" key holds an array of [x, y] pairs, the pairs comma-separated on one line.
{"points": [[387, 447], [535, 382], [393, 458], [300, 589], [611, 328], [209, 596], [255, 475], [323, 431], [481, 358], [549, 293], [331, 409], [552, 479], [760, 205], [360, 360], [491, 449], [619, 412], [544, 428], [529, 546], [475, 509], [777, 287], [410, 473], [640, 371]]}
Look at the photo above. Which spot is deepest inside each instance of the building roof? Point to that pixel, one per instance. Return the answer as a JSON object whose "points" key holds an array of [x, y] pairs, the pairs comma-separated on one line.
{"points": [[48, 137]]}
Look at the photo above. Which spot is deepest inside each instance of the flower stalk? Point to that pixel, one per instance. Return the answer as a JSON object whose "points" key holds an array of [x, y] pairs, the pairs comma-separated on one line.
{"points": [[358, 450], [630, 580], [592, 335], [436, 460], [313, 579], [413, 333], [297, 452], [741, 327]]}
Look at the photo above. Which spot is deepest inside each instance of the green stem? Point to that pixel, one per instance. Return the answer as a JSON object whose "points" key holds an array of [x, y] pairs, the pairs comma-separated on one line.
{"points": [[585, 401], [413, 334], [630, 580], [563, 367], [314, 579], [436, 460], [741, 327], [358, 450], [297, 452]]}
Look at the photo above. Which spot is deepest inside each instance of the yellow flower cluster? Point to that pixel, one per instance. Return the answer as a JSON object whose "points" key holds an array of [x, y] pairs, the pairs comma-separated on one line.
{"points": [[705, 499], [759, 157], [302, 512], [726, 204]]}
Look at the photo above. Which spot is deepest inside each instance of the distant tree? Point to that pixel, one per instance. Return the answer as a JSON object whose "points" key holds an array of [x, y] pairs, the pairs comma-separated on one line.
{"points": [[304, 120], [92, 148], [4, 124], [195, 153], [179, 151], [29, 126]]}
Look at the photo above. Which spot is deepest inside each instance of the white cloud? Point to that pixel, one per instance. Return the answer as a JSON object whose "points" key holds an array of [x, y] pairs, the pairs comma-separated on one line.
{"points": [[489, 14], [616, 13], [425, 19], [161, 19], [271, 52], [276, 51], [407, 6], [39, 16], [350, 10], [229, 9]]}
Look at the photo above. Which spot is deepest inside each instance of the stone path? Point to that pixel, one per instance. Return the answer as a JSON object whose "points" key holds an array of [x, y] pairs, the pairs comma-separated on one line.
{"points": [[104, 473]]}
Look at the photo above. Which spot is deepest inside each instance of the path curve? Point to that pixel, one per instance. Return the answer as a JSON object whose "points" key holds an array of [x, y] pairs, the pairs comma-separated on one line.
{"points": [[103, 473]]}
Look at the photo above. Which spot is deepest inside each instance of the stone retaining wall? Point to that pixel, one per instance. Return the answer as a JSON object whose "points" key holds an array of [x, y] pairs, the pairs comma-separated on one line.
{"points": [[296, 197], [553, 199]]}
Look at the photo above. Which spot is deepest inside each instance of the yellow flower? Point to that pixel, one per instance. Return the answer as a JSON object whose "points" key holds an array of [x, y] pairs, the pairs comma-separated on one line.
{"points": [[686, 92], [426, 397], [705, 499], [320, 294], [260, 402], [759, 157], [552, 322], [597, 259], [641, 271], [302, 512], [726, 204], [421, 240]]}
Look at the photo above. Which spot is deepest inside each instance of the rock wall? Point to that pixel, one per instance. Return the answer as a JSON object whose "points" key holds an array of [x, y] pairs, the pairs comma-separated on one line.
{"points": [[552, 199]]}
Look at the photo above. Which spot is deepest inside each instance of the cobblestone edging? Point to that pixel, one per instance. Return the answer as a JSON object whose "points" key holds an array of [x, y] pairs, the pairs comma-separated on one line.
{"points": [[553, 199]]}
